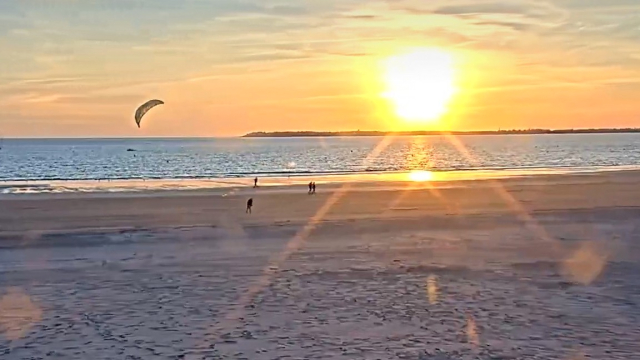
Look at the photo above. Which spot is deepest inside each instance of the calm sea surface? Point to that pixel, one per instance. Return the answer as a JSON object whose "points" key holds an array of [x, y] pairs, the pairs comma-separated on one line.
{"points": [[94, 159]]}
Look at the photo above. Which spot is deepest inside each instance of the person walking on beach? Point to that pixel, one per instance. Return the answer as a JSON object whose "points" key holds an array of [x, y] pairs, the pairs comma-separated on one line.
{"points": [[255, 182], [310, 187], [313, 188], [249, 206]]}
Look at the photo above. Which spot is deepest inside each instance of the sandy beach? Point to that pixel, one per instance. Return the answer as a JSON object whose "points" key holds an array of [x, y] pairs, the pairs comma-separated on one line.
{"points": [[542, 267]]}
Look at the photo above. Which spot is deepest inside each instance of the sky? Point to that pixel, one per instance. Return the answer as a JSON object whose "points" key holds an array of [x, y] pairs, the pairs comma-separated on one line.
{"points": [[79, 68]]}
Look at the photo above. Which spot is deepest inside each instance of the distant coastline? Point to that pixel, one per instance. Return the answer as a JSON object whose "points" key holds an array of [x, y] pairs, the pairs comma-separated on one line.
{"points": [[289, 134]]}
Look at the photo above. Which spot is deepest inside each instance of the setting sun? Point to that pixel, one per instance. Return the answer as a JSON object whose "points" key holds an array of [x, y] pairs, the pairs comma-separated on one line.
{"points": [[420, 84]]}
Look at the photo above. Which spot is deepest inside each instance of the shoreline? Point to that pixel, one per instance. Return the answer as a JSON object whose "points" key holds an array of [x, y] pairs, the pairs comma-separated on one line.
{"points": [[291, 204], [280, 183]]}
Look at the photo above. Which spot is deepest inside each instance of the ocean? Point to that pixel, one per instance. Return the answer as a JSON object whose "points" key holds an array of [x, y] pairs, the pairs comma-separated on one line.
{"points": [[62, 160]]}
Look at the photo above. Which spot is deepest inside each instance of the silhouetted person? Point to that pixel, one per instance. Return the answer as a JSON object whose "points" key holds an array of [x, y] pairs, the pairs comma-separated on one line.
{"points": [[310, 187], [255, 182], [249, 205], [313, 188]]}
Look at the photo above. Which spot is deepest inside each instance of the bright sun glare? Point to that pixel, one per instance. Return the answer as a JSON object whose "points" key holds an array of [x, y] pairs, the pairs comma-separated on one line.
{"points": [[420, 84], [420, 176]]}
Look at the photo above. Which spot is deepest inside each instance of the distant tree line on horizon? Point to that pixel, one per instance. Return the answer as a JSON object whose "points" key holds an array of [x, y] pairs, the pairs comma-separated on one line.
{"points": [[421, 133]]}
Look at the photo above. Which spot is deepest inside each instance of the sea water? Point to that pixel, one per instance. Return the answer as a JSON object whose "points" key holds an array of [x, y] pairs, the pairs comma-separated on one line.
{"points": [[40, 161]]}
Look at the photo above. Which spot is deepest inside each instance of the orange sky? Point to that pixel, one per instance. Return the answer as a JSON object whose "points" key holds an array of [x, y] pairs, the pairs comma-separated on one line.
{"points": [[80, 68]]}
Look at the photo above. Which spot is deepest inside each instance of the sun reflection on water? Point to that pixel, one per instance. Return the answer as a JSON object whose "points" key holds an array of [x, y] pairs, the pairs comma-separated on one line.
{"points": [[420, 175]]}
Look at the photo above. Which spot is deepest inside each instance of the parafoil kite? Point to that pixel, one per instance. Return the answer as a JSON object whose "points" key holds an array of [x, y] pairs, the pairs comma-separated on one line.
{"points": [[146, 107]]}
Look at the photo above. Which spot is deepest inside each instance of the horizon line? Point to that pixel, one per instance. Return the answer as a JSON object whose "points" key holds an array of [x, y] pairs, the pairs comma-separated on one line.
{"points": [[347, 133]]}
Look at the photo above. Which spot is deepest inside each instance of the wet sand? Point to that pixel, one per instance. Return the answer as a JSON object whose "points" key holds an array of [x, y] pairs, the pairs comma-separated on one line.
{"points": [[542, 267]]}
